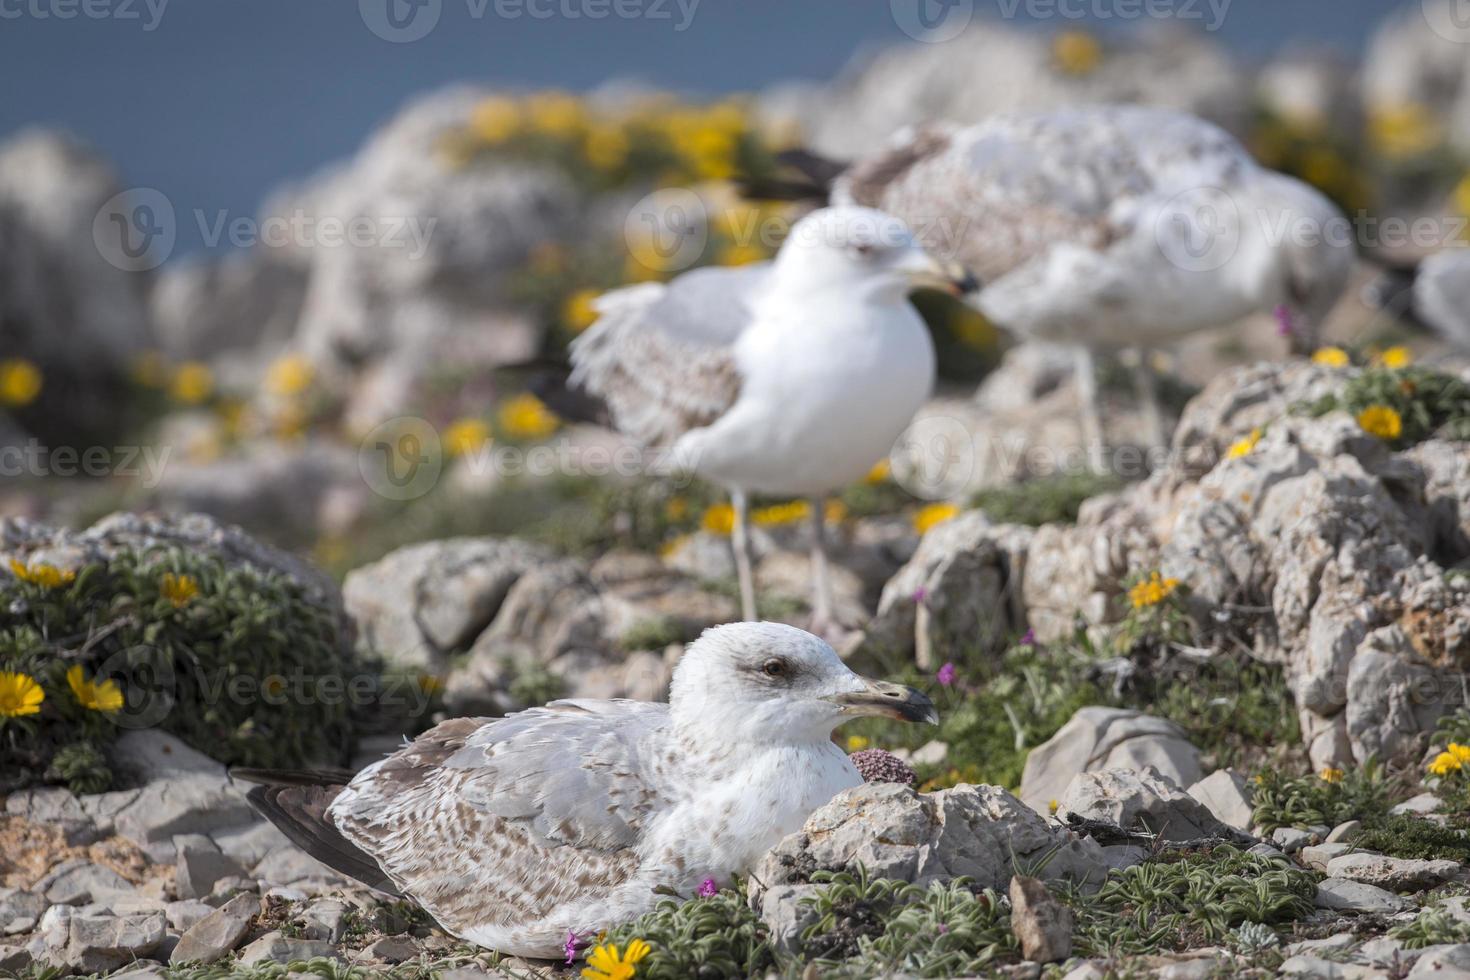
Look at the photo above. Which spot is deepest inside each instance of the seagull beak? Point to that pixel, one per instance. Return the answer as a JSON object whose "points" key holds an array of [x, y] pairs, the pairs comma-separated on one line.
{"points": [[926, 272], [887, 701]]}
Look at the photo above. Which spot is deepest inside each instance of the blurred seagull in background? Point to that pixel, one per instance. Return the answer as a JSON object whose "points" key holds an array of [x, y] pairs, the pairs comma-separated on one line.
{"points": [[531, 833], [1432, 294], [789, 377], [1104, 228]]}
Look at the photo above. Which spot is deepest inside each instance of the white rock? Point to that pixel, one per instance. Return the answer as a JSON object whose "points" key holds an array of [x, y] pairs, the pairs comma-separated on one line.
{"points": [[1395, 874], [1345, 895], [1227, 795], [1143, 801], [1098, 738]]}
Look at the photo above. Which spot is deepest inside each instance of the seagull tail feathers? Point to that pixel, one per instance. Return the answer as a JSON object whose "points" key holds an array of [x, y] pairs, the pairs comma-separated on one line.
{"points": [[296, 801], [813, 181]]}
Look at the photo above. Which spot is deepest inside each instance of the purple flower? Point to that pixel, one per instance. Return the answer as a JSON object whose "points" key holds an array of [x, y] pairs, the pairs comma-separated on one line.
{"points": [[943, 928], [570, 947], [946, 674], [1284, 325], [1028, 639], [920, 594], [708, 888]]}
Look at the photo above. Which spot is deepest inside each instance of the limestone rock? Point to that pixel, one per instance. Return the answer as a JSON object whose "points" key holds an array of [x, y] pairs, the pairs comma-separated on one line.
{"points": [[1041, 922], [1345, 895], [217, 933], [1100, 738], [1143, 801], [274, 947], [1227, 795], [1394, 874]]}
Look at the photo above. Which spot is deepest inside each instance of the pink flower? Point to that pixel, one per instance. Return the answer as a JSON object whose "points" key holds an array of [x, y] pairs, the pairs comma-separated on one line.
{"points": [[920, 594], [708, 888], [1284, 325], [946, 674], [570, 946], [1029, 638]]}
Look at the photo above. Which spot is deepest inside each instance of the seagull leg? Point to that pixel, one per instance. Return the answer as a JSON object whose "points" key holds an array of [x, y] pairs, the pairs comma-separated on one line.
{"points": [[1091, 409], [740, 538], [822, 603], [1147, 387]]}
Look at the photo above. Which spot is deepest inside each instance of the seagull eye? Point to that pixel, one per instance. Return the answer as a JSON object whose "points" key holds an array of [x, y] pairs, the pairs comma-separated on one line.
{"points": [[774, 668]]}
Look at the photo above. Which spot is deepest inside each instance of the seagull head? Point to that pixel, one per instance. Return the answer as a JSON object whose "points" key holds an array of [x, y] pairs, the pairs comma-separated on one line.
{"points": [[863, 250], [754, 683]]}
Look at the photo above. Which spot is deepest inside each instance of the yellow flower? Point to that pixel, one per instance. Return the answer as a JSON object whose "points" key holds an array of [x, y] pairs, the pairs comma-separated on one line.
{"points": [[289, 375], [606, 147], [604, 962], [1331, 775], [1053, 806], [677, 508], [835, 512], [466, 436], [1403, 131], [933, 515], [19, 695], [856, 743], [20, 382], [1152, 590], [46, 576], [179, 589], [1462, 195], [1444, 764], [1396, 358], [1076, 52], [778, 514], [1461, 752], [738, 254], [496, 119], [1381, 421], [104, 695], [1331, 357], [719, 519], [526, 417], [880, 472], [192, 383], [1243, 447], [555, 113], [577, 312]]}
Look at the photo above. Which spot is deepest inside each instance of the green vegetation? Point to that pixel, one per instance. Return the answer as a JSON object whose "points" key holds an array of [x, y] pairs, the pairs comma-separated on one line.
{"points": [[244, 665], [714, 938], [1431, 927], [1044, 500], [1408, 836], [1308, 801], [1426, 402]]}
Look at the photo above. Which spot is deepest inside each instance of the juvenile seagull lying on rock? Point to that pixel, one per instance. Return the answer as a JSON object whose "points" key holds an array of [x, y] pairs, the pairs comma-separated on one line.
{"points": [[1105, 227], [515, 832], [791, 377]]}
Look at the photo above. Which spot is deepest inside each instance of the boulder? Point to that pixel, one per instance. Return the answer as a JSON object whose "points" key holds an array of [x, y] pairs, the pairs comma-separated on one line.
{"points": [[1042, 923], [1227, 795], [274, 947], [1346, 895], [1099, 738], [1394, 874], [1141, 801], [200, 863], [217, 933]]}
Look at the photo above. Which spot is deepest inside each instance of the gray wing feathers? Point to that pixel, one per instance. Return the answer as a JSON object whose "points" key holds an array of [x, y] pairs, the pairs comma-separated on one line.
{"points": [[660, 356]]}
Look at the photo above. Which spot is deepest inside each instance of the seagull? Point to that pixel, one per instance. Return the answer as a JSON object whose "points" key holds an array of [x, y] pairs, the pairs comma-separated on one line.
{"points": [[1432, 294], [1103, 228], [519, 832], [790, 377]]}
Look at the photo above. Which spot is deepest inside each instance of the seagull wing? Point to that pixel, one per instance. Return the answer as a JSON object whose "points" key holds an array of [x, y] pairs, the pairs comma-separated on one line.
{"points": [[660, 355], [1004, 192], [496, 824]]}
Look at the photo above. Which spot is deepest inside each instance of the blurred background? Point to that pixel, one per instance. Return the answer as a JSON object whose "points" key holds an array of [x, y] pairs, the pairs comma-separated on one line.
{"points": [[246, 248]]}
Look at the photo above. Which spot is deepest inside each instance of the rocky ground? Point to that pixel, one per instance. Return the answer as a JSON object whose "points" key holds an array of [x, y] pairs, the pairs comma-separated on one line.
{"points": [[1209, 724]]}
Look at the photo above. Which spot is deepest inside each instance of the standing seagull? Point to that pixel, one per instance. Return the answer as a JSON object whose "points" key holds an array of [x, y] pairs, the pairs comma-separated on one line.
{"points": [[1106, 227], [528, 832], [791, 377]]}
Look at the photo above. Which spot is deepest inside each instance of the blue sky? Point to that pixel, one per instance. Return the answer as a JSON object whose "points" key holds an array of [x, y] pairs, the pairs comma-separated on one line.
{"points": [[215, 102]]}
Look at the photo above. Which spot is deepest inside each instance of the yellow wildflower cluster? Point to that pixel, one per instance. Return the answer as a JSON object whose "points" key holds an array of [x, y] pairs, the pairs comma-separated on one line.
{"points": [[46, 576], [20, 382], [934, 515], [94, 695], [191, 384], [577, 312], [526, 417], [1402, 132], [607, 963], [1331, 775], [720, 518], [1076, 52], [1381, 421], [1394, 358], [1152, 590], [1332, 357], [857, 743], [466, 436], [1244, 447], [20, 695], [1452, 760], [289, 376]]}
